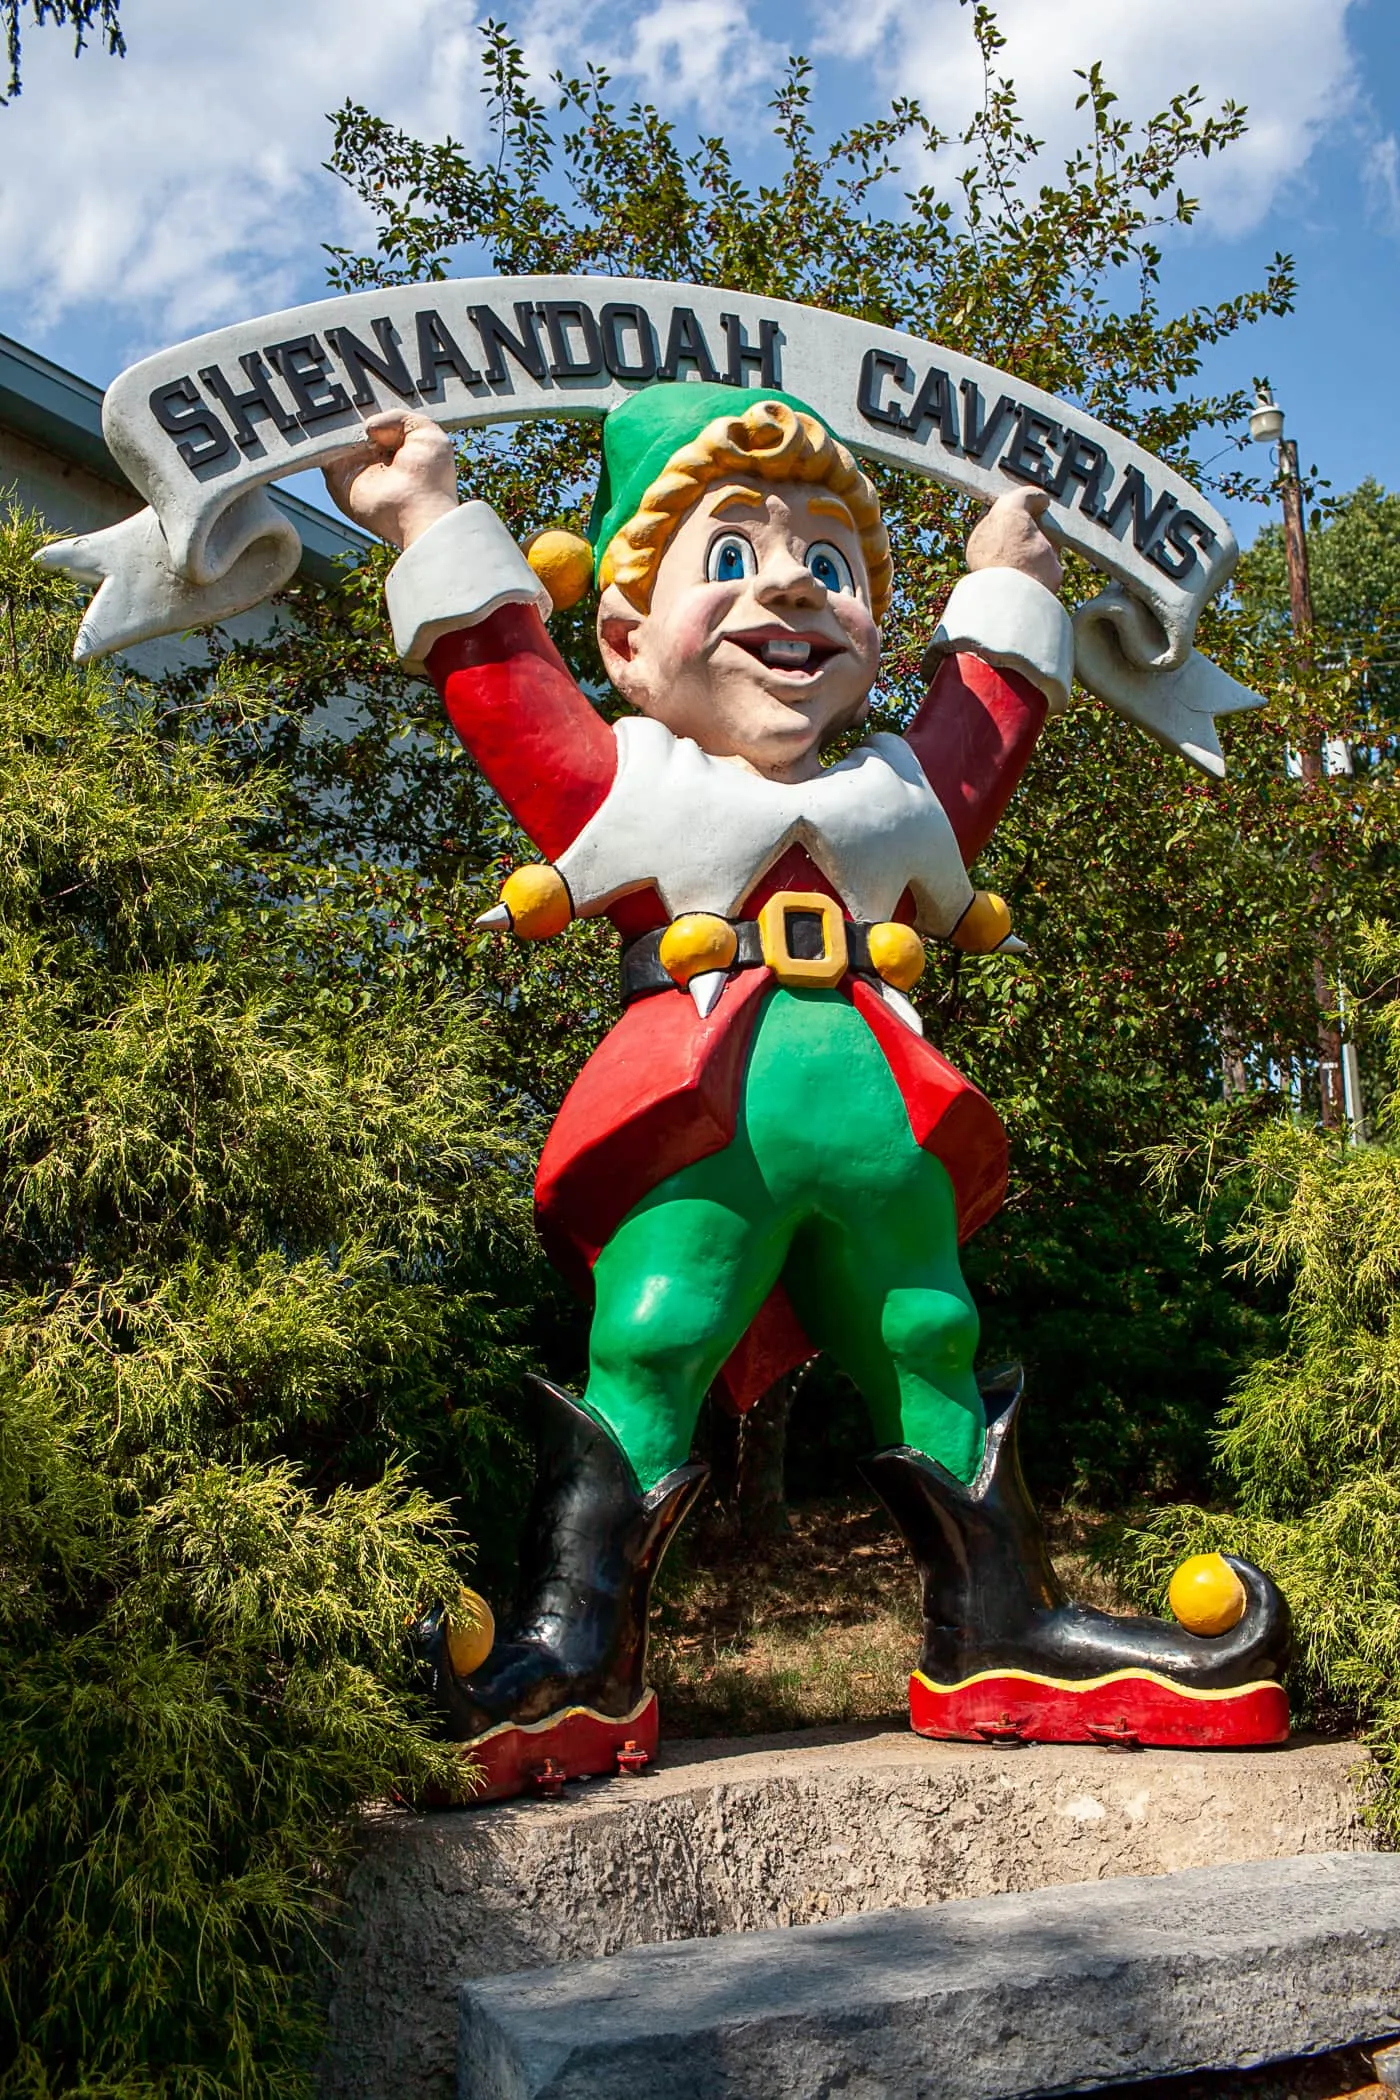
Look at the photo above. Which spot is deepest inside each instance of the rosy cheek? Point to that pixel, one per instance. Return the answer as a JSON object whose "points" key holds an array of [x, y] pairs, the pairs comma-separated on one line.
{"points": [[695, 616], [857, 624]]}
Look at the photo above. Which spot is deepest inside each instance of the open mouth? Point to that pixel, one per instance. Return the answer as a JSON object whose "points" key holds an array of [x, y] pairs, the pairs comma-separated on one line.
{"points": [[800, 655]]}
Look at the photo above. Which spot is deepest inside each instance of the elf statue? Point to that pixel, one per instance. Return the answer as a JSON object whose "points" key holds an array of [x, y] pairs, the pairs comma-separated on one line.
{"points": [[765, 1157]]}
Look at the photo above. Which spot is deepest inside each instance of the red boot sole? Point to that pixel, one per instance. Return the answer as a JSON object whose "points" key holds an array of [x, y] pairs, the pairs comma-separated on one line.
{"points": [[538, 1757], [1128, 1708]]}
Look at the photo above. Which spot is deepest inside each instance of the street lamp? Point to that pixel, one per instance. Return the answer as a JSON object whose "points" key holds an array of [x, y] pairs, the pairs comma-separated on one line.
{"points": [[1266, 420], [1339, 1077]]}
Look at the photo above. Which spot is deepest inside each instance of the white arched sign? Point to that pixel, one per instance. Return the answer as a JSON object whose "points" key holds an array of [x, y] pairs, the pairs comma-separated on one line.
{"points": [[203, 427]]}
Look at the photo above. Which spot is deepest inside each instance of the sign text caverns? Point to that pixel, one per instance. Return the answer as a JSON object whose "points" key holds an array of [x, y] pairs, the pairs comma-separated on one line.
{"points": [[1031, 446]]}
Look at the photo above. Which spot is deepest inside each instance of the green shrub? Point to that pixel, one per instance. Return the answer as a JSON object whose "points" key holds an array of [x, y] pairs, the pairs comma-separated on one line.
{"points": [[1309, 1444], [249, 1184]]}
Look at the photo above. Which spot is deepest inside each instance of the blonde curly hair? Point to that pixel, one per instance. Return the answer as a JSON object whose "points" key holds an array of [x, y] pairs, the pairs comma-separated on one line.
{"points": [[774, 443]]}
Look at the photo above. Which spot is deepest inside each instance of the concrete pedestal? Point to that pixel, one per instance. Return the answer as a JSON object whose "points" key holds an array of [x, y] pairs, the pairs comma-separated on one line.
{"points": [[991, 1998], [727, 1837]]}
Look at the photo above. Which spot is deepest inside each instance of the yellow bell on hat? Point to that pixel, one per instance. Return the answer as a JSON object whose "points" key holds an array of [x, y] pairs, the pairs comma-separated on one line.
{"points": [[1206, 1595], [564, 564]]}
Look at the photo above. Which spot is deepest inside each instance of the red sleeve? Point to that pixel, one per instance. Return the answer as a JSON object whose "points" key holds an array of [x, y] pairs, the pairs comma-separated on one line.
{"points": [[973, 737], [514, 703]]}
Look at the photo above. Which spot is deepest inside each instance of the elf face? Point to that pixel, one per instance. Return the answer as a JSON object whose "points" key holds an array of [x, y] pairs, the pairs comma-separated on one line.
{"points": [[759, 641]]}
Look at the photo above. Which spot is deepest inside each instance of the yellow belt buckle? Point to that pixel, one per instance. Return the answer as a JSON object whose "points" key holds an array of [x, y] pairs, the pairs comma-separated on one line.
{"points": [[788, 914]]}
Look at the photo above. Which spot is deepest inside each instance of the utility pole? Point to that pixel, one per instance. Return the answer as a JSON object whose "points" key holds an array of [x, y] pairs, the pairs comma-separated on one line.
{"points": [[1266, 428], [1295, 540]]}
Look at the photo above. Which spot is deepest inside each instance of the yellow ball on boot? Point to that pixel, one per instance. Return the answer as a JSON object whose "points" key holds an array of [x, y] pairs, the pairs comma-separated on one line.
{"points": [[471, 1633], [1206, 1595]]}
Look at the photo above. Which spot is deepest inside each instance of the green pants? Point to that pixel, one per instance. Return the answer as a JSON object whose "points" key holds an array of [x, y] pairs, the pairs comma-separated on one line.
{"points": [[824, 1186]]}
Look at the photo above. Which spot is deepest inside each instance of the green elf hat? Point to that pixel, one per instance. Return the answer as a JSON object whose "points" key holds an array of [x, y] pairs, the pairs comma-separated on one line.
{"points": [[640, 438]]}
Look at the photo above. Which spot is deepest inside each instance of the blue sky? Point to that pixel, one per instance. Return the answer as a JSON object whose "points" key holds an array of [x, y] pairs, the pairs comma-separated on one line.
{"points": [[144, 200]]}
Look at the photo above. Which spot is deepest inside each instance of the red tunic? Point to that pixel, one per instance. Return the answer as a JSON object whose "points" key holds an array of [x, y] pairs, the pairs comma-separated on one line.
{"points": [[663, 1088]]}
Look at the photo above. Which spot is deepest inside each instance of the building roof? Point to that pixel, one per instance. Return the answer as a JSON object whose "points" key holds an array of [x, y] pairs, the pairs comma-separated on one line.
{"points": [[62, 414]]}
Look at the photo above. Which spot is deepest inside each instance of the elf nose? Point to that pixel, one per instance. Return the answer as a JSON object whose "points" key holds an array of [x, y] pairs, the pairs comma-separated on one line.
{"points": [[784, 580]]}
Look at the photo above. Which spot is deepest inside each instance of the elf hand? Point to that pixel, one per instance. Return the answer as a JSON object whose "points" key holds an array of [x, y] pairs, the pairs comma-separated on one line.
{"points": [[1009, 537], [399, 479]]}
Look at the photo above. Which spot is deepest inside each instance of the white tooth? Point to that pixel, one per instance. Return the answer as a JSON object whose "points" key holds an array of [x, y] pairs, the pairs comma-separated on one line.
{"points": [[780, 652], [705, 990]]}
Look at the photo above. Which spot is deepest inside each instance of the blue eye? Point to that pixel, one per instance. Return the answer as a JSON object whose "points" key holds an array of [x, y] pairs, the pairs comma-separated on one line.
{"points": [[730, 559], [831, 568]]}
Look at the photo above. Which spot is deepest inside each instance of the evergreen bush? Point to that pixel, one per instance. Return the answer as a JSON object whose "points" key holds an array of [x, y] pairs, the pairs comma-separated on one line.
{"points": [[249, 1180], [1308, 1447]]}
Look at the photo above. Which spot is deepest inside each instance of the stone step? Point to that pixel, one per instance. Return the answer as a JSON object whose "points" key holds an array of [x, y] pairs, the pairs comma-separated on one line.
{"points": [[988, 1998], [725, 1837]]}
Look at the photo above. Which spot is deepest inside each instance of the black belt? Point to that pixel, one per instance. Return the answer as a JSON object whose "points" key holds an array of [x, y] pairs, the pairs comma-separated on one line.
{"points": [[643, 971]]}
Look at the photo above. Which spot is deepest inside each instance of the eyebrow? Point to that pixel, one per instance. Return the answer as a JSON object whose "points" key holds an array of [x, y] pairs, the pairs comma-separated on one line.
{"points": [[830, 507], [739, 494]]}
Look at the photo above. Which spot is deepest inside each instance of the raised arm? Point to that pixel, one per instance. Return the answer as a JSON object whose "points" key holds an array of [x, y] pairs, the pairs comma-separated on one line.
{"points": [[1000, 664], [514, 703], [465, 607], [973, 736]]}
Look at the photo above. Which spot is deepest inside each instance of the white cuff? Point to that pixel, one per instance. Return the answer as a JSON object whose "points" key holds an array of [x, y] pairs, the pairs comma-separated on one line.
{"points": [[463, 568], [1009, 619]]}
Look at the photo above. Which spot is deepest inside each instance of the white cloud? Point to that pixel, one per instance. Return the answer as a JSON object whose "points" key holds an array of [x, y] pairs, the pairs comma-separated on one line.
{"points": [[149, 198], [1289, 60], [1381, 173], [703, 54], [183, 183], [182, 186], [704, 60]]}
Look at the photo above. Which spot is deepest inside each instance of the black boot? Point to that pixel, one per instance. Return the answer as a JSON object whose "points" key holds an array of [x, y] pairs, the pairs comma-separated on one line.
{"points": [[995, 1613], [590, 1552]]}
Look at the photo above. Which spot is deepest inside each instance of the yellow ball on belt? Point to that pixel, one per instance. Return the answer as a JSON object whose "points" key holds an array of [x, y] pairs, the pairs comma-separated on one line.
{"points": [[896, 954], [696, 942], [1206, 1595]]}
